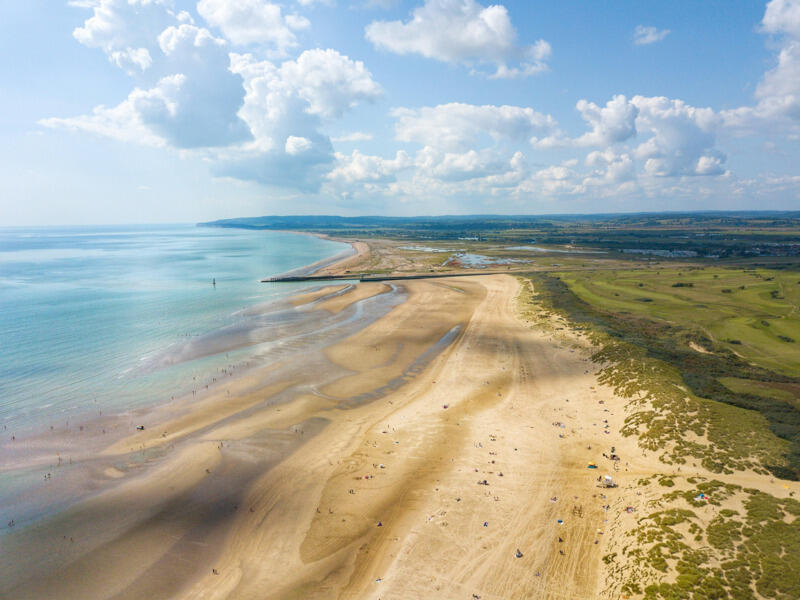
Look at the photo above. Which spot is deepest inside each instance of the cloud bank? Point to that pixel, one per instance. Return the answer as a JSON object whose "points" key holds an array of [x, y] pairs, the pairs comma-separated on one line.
{"points": [[232, 86]]}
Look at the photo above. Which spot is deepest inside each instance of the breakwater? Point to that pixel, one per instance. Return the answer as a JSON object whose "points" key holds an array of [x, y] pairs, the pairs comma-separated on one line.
{"points": [[373, 277]]}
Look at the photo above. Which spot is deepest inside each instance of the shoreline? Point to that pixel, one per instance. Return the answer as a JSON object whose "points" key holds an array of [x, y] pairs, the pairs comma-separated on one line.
{"points": [[74, 447], [325, 302], [455, 445], [47, 452], [328, 436], [334, 264], [261, 308], [163, 354]]}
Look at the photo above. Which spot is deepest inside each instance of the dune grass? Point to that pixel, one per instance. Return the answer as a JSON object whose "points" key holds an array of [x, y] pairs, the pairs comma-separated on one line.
{"points": [[734, 542], [678, 374]]}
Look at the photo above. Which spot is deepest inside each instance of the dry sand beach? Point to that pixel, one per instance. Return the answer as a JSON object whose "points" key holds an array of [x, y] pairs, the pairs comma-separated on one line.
{"points": [[440, 452], [370, 486]]}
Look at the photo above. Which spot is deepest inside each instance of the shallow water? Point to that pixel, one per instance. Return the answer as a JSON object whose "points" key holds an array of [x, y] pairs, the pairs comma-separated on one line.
{"points": [[108, 319], [429, 249], [44, 474], [559, 250], [479, 260]]}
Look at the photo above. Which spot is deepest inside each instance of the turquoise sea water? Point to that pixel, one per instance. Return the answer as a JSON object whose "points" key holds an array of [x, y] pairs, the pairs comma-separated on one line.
{"points": [[114, 318]]}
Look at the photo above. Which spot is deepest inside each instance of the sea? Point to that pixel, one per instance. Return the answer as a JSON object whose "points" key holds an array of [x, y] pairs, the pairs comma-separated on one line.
{"points": [[99, 320]]}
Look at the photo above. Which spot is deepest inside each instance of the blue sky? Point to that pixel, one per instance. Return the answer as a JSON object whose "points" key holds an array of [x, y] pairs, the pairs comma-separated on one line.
{"points": [[133, 111]]}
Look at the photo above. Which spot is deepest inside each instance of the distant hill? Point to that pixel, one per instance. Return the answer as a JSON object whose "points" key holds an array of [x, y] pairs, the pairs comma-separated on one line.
{"points": [[365, 225], [706, 234], [337, 222]]}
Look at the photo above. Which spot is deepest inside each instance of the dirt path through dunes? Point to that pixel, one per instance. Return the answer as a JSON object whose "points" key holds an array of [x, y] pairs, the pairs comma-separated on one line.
{"points": [[389, 500]]}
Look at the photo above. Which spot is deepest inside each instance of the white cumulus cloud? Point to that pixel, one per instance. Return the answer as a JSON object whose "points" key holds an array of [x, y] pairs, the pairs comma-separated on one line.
{"points": [[293, 97], [358, 167], [462, 31], [284, 108], [613, 123], [457, 126], [777, 95], [297, 145], [125, 30], [610, 167], [330, 82], [610, 124], [194, 107], [646, 35], [122, 122], [455, 166], [355, 136], [250, 119], [683, 138], [782, 16], [253, 22]]}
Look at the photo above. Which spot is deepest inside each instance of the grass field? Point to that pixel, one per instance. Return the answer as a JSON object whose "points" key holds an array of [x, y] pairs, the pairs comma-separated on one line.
{"points": [[752, 313], [786, 392]]}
